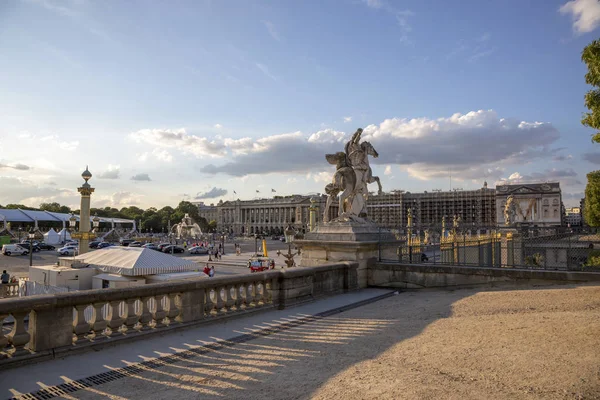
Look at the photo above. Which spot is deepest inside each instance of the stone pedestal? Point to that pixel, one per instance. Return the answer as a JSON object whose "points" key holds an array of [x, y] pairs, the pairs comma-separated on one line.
{"points": [[511, 248], [343, 241]]}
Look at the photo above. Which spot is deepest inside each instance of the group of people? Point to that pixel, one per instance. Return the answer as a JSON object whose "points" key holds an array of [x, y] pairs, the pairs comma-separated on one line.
{"points": [[210, 271]]}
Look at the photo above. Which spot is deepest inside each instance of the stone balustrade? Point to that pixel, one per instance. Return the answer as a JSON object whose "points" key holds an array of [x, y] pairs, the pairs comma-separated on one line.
{"points": [[9, 290], [47, 326]]}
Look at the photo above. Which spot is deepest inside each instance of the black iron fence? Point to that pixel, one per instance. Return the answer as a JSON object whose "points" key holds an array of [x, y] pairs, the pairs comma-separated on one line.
{"points": [[496, 247]]}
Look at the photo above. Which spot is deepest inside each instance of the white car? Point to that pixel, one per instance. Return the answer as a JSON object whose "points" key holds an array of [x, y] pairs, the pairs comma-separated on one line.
{"points": [[9, 249], [67, 251]]}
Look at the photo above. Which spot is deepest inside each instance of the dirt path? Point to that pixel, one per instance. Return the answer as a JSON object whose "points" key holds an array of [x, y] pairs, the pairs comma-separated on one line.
{"points": [[466, 344]]}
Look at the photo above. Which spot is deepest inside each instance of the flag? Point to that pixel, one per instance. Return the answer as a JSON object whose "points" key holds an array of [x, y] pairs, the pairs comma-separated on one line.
{"points": [[273, 190], [234, 192], [257, 191]]}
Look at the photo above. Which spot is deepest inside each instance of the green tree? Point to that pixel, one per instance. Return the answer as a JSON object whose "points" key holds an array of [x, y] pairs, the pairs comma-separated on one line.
{"points": [[212, 226], [21, 206], [55, 207], [591, 57], [592, 199]]}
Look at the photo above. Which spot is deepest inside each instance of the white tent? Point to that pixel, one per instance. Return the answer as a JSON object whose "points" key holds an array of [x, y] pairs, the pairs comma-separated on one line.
{"points": [[64, 235], [51, 237], [135, 261]]}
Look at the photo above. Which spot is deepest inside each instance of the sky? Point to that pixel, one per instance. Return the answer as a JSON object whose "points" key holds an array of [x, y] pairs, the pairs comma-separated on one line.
{"points": [[219, 100]]}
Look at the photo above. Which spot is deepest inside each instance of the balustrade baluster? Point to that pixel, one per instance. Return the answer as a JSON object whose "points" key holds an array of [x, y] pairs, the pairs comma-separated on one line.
{"points": [[160, 313], [98, 322], [257, 293], [18, 336], [220, 302], [209, 304], [81, 328], [3, 338], [239, 296], [114, 319], [132, 318], [174, 310], [146, 316], [230, 300], [266, 294], [249, 294]]}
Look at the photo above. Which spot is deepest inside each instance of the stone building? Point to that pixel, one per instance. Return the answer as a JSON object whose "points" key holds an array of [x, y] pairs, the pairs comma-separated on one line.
{"points": [[474, 207], [537, 203], [573, 216], [207, 212], [269, 216]]}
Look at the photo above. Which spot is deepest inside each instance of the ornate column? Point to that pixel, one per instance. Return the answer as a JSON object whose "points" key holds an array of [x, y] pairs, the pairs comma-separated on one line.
{"points": [[84, 214]]}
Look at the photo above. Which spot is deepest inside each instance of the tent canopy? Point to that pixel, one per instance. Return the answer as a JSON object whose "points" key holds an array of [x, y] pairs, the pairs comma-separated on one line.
{"points": [[135, 261], [51, 237], [18, 215]]}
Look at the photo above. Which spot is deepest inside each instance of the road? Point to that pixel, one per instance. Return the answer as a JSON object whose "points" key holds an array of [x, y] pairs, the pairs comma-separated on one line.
{"points": [[19, 265]]}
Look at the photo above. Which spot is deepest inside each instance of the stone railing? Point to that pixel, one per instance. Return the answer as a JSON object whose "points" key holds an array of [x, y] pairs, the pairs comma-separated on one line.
{"points": [[48, 326], [9, 290]]}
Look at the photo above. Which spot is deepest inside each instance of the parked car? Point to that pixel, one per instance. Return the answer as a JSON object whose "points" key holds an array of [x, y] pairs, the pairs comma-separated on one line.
{"points": [[274, 237], [94, 244], [10, 249], [175, 249], [71, 243], [34, 247], [104, 245], [67, 251], [45, 246], [161, 246], [135, 244], [126, 242], [150, 246], [198, 250], [282, 239]]}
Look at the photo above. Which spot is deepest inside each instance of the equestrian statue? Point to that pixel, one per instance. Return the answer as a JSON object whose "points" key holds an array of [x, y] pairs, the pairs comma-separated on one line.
{"points": [[352, 175]]}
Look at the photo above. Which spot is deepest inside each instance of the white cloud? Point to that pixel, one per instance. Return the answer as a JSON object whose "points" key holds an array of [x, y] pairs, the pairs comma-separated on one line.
{"points": [[272, 30], [162, 155], [218, 126], [327, 136], [181, 140], [321, 177], [585, 14], [347, 119], [69, 146], [112, 172], [388, 170], [142, 157], [567, 177]]}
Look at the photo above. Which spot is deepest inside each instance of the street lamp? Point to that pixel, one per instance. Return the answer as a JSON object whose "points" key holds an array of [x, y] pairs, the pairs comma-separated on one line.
{"points": [[223, 243], [19, 229], [171, 242], [31, 237], [289, 237], [256, 244]]}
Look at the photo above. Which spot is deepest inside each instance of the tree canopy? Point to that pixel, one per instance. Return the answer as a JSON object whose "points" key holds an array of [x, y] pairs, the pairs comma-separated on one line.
{"points": [[591, 57], [591, 206]]}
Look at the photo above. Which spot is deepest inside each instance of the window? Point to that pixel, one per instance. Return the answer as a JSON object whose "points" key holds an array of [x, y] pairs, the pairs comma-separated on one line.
{"points": [[546, 202], [545, 213], [555, 213], [555, 202]]}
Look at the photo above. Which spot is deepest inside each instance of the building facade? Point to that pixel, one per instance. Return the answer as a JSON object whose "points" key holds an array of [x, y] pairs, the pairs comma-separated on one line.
{"points": [[573, 216], [536, 204], [268, 216], [474, 207], [208, 212]]}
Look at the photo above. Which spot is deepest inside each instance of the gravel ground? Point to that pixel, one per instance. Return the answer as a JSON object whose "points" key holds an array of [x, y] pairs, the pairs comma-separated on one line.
{"points": [[539, 343]]}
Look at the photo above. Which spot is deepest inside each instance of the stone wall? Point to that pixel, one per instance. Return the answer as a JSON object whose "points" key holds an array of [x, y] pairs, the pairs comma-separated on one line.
{"points": [[411, 276], [48, 326]]}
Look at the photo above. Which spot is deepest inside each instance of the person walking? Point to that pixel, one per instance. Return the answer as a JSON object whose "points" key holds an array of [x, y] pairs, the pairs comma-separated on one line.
{"points": [[5, 278], [212, 272]]}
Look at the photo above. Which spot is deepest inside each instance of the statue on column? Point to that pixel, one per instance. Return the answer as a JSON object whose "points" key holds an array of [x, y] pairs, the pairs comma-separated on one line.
{"points": [[510, 211], [353, 174]]}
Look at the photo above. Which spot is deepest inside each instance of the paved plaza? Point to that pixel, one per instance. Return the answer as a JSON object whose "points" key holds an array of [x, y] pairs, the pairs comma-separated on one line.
{"points": [[475, 344], [19, 265]]}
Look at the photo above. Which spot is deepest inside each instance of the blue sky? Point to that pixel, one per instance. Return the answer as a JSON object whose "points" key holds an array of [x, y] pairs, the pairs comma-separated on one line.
{"points": [[193, 100]]}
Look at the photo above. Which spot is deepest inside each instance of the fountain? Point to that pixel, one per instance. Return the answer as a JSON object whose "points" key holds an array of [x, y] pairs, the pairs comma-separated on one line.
{"points": [[187, 229]]}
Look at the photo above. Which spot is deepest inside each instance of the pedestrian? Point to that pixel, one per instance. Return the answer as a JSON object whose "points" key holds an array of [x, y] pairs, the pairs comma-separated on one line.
{"points": [[207, 270], [5, 277], [212, 272]]}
